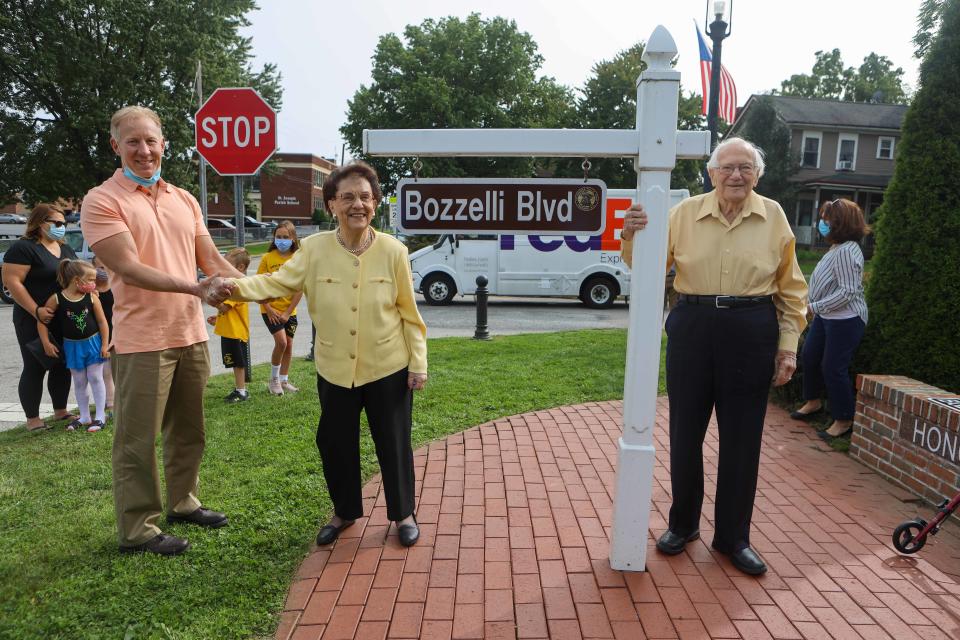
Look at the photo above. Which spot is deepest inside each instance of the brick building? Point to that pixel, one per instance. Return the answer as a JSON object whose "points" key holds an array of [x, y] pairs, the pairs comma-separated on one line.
{"points": [[290, 188]]}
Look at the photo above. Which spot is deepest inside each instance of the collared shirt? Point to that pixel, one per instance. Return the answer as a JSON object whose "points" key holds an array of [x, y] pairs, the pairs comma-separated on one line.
{"points": [[836, 286], [755, 255], [165, 232], [366, 316]]}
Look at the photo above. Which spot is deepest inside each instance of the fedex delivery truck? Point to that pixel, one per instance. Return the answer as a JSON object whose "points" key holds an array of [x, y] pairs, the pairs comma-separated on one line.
{"points": [[588, 267]]}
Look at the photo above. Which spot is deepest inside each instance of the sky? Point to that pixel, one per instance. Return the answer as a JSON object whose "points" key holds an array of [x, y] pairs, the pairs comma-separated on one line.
{"points": [[324, 49]]}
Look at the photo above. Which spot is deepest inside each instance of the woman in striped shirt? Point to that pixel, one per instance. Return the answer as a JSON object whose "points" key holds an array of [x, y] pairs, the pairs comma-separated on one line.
{"points": [[839, 316]]}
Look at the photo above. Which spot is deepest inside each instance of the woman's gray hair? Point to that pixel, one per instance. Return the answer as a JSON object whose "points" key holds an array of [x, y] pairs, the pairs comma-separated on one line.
{"points": [[714, 163]]}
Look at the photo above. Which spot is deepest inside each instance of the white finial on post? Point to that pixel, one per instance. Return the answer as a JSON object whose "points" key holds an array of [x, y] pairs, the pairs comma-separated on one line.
{"points": [[660, 49]]}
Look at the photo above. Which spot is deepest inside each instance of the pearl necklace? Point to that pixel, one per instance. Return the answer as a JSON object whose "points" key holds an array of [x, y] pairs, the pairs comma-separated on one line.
{"points": [[364, 244]]}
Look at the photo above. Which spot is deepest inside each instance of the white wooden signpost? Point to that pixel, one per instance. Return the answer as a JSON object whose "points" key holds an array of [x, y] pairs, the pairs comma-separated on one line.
{"points": [[655, 145]]}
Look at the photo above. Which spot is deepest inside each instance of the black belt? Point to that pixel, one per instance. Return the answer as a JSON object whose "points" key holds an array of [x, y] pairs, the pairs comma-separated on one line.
{"points": [[726, 302]]}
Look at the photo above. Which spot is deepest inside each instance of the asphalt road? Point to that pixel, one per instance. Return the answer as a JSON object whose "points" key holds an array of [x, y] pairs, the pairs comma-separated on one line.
{"points": [[505, 316]]}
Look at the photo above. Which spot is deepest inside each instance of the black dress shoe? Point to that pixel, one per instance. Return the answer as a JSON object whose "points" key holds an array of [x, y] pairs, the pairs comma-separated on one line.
{"points": [[162, 545], [330, 532], [799, 415], [672, 544], [408, 533], [202, 517], [748, 561]]}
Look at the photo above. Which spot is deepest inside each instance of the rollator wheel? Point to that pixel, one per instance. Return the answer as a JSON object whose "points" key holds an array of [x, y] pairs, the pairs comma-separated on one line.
{"points": [[905, 536]]}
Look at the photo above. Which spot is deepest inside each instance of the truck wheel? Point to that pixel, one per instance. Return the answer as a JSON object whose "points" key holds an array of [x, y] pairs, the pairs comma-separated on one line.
{"points": [[438, 289], [599, 292]]}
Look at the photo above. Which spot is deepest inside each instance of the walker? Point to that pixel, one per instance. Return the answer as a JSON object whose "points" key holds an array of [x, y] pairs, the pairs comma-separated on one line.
{"points": [[911, 535]]}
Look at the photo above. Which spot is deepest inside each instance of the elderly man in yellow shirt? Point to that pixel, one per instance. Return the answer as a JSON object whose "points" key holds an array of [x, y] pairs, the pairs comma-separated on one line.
{"points": [[741, 309], [371, 347]]}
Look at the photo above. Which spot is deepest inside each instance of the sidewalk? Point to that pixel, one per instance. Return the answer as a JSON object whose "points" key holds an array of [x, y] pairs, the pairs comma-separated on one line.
{"points": [[515, 517]]}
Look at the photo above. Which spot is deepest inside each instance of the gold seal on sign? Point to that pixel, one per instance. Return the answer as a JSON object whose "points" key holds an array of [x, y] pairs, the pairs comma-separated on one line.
{"points": [[586, 198]]}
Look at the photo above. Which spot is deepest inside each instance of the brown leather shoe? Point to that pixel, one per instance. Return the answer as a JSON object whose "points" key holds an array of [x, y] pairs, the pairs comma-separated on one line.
{"points": [[162, 545], [202, 517]]}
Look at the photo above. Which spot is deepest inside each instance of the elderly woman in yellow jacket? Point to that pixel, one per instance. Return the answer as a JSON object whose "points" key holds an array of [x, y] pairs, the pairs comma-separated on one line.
{"points": [[371, 349]]}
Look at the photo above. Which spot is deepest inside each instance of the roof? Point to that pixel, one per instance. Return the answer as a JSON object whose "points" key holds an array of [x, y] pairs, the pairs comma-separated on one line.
{"points": [[833, 113], [851, 178]]}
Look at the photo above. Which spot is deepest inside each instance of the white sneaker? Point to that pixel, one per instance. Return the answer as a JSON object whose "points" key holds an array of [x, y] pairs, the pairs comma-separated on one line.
{"points": [[288, 386], [275, 387]]}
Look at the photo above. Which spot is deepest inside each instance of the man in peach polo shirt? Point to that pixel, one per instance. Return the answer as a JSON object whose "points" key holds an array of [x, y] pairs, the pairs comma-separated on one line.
{"points": [[150, 234]]}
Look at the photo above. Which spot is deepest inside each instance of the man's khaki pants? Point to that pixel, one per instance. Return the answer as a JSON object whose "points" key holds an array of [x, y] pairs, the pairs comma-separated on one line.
{"points": [[157, 392]]}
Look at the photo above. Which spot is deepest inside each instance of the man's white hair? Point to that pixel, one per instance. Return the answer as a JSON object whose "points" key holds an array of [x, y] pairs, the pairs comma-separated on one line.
{"points": [[714, 162]]}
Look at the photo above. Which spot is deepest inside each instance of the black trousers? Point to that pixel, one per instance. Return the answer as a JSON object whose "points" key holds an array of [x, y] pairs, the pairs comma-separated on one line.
{"points": [[30, 388], [389, 407], [723, 360]]}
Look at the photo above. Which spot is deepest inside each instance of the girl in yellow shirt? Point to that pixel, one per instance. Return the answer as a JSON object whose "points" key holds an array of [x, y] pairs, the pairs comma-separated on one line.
{"points": [[280, 314]]}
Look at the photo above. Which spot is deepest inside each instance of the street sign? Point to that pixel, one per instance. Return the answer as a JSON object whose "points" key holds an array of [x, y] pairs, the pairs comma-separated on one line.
{"points": [[236, 131], [520, 206]]}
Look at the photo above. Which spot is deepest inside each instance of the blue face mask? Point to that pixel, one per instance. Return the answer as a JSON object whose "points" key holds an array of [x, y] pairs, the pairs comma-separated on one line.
{"points": [[56, 233], [143, 182], [824, 228], [283, 244]]}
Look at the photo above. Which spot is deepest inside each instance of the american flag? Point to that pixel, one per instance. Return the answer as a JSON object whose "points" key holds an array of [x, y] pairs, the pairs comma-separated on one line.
{"points": [[728, 90]]}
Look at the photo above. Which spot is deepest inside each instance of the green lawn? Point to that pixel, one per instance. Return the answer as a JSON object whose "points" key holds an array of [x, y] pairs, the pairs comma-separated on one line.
{"points": [[61, 575]]}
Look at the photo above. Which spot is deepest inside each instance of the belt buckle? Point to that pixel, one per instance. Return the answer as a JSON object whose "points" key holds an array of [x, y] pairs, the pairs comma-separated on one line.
{"points": [[716, 302]]}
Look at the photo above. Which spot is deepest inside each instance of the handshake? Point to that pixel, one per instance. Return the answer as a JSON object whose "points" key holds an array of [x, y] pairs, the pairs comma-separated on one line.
{"points": [[215, 290]]}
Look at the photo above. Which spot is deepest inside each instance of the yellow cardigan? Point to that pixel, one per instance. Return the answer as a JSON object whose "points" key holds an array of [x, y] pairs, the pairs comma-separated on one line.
{"points": [[368, 326]]}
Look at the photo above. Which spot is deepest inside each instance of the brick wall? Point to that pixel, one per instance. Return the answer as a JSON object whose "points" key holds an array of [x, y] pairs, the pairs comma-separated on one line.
{"points": [[909, 432]]}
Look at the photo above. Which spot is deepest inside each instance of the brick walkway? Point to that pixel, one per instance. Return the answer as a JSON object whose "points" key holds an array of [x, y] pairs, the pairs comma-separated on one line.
{"points": [[514, 521]]}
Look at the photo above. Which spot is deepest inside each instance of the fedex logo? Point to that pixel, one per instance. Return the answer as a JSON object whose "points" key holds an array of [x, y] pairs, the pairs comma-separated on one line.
{"points": [[609, 240]]}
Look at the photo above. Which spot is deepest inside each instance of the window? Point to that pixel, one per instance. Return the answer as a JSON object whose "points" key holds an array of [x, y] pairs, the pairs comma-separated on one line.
{"points": [[885, 147], [810, 156], [847, 152], [255, 182], [317, 203], [318, 178], [806, 211]]}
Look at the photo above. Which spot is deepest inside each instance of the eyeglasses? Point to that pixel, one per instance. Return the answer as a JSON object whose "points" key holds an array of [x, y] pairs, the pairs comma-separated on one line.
{"points": [[351, 197], [56, 223], [744, 169]]}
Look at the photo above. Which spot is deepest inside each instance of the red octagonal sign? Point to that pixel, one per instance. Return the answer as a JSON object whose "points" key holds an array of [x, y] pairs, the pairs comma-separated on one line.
{"points": [[236, 131]]}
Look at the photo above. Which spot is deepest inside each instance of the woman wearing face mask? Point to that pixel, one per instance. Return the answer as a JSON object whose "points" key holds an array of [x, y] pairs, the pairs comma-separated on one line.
{"points": [[30, 275], [839, 316], [280, 314]]}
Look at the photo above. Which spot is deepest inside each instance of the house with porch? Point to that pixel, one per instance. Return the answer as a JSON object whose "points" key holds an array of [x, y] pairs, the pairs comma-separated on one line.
{"points": [[845, 150]]}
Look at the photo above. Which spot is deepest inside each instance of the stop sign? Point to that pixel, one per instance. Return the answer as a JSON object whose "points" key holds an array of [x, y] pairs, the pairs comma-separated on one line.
{"points": [[236, 131]]}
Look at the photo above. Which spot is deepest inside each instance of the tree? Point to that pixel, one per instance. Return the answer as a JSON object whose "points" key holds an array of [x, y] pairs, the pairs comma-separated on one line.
{"points": [[766, 130], [67, 65], [912, 290], [928, 23], [609, 101], [454, 73], [876, 80]]}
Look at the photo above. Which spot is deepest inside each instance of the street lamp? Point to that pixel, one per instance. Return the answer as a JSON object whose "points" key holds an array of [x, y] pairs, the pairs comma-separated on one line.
{"points": [[717, 30]]}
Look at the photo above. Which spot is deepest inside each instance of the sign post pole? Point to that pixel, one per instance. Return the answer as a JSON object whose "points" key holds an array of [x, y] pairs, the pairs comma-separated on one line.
{"points": [[657, 96], [239, 209], [655, 146]]}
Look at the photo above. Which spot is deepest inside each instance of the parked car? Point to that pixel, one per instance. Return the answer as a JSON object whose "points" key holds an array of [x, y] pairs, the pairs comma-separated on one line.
{"points": [[78, 243], [250, 221], [219, 223], [4, 245], [72, 216], [12, 218]]}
